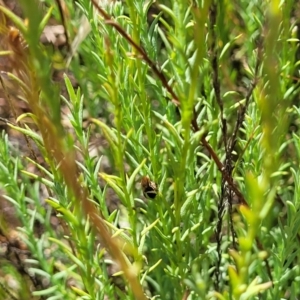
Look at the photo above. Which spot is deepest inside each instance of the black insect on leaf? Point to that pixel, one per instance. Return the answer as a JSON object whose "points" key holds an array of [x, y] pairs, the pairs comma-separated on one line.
{"points": [[149, 187]]}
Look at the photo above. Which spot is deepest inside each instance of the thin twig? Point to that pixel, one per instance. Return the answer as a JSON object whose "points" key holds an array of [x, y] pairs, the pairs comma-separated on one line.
{"points": [[224, 172], [215, 71], [218, 231], [64, 22], [230, 210]]}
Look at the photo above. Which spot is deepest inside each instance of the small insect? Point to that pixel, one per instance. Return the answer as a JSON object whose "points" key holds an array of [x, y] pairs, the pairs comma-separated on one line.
{"points": [[149, 187], [15, 40]]}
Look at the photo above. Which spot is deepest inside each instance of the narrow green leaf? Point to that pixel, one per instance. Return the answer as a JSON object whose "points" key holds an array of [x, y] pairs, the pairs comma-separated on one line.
{"points": [[15, 19], [27, 131], [131, 180], [45, 20]]}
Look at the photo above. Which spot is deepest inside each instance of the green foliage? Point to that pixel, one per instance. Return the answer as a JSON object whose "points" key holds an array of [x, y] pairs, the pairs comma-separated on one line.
{"points": [[200, 97]]}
